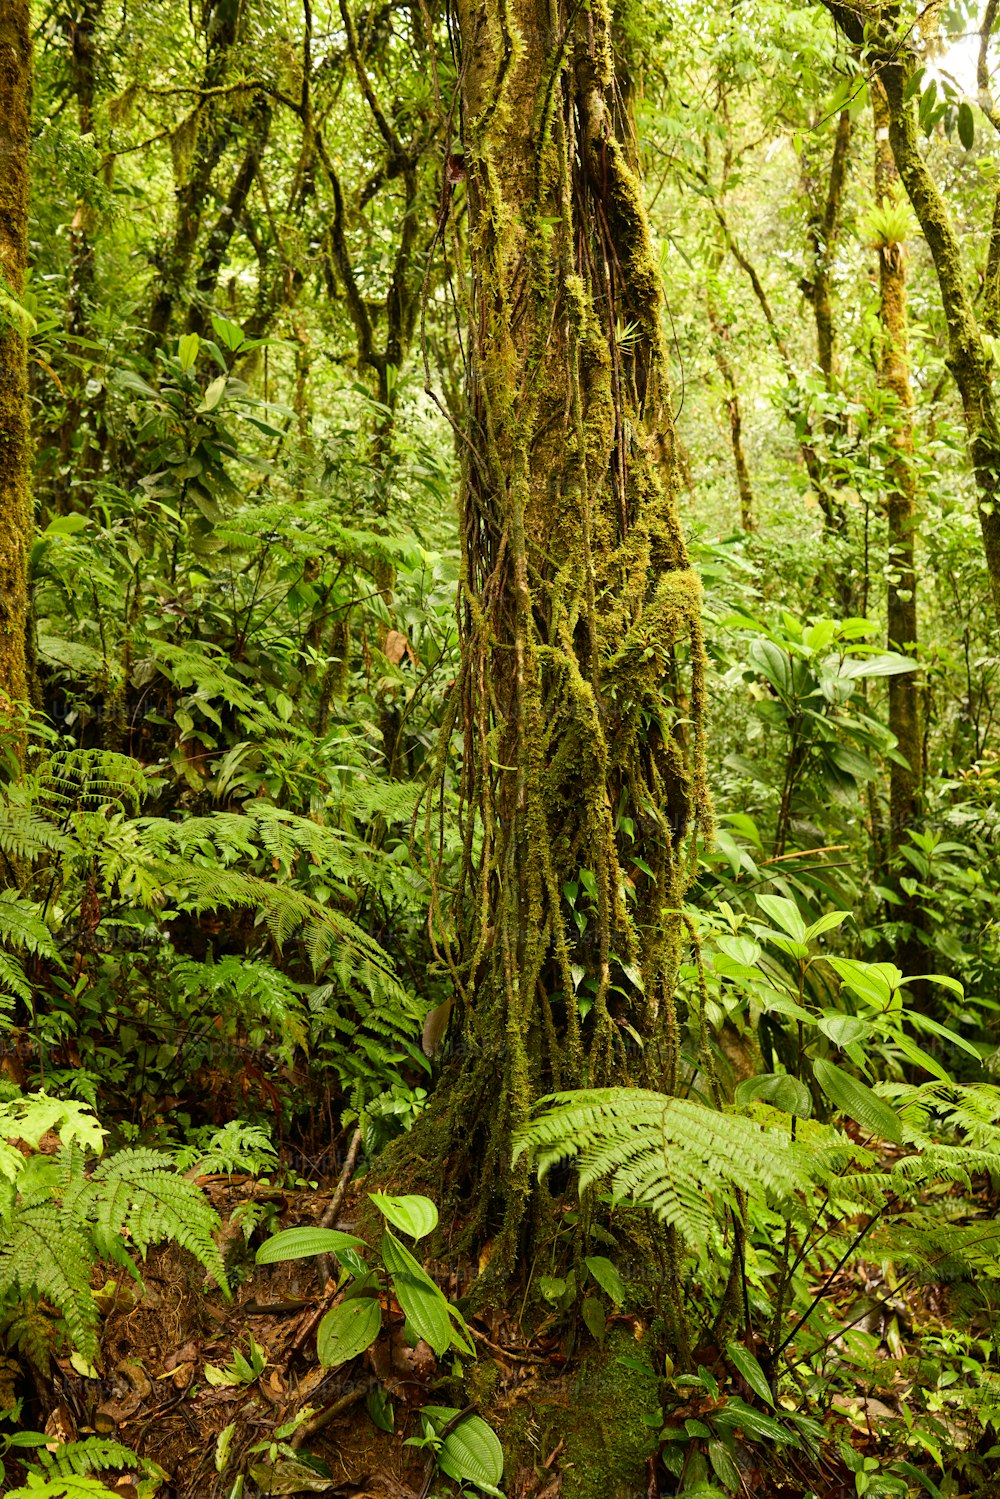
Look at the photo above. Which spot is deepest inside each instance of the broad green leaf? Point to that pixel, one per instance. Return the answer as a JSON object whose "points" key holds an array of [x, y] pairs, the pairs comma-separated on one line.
{"points": [[347, 1330], [422, 1301], [778, 1089], [187, 349], [727, 968], [857, 1101], [746, 1364], [864, 980], [226, 332], [607, 1277], [925, 1023], [222, 1444], [303, 1243], [844, 1030], [213, 395], [937, 978], [380, 1408], [773, 664], [966, 125], [916, 1054], [416, 1216], [785, 914], [736, 1414], [66, 525], [889, 665], [723, 1466], [788, 945], [472, 1452], [743, 950], [595, 1318], [825, 924], [774, 1002]]}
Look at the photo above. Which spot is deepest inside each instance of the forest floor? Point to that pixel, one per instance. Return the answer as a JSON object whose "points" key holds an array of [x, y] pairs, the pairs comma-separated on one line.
{"points": [[576, 1419]]}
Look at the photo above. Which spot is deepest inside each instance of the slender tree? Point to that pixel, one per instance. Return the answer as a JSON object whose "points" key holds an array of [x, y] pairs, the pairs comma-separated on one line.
{"points": [[734, 410], [580, 693], [15, 444], [894, 377], [890, 39]]}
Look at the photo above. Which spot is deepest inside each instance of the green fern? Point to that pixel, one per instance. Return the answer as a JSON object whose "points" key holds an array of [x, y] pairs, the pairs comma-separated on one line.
{"points": [[94, 1455], [682, 1160], [136, 1196], [60, 1488], [47, 1254], [57, 1219]]}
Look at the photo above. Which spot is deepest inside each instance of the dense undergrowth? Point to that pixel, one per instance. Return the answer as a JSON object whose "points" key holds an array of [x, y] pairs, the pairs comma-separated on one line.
{"points": [[230, 826]]}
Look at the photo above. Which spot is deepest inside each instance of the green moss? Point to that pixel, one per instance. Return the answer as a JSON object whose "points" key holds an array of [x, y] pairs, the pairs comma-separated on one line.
{"points": [[15, 441], [612, 1428]]}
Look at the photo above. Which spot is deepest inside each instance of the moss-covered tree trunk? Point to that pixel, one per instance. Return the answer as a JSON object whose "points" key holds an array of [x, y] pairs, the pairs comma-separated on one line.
{"points": [[198, 146], [891, 49], [580, 694], [78, 444], [15, 440], [822, 234]]}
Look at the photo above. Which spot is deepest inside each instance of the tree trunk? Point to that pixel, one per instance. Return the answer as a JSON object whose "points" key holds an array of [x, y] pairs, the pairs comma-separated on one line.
{"points": [[76, 444], [581, 687], [15, 436], [824, 227], [212, 128], [894, 377], [224, 228], [734, 410], [895, 60]]}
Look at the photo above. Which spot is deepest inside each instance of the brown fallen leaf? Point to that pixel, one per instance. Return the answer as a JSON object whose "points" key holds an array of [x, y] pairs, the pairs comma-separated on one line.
{"points": [[396, 647], [60, 1427]]}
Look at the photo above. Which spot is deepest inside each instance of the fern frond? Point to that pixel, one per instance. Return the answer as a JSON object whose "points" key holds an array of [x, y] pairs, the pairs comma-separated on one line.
{"points": [[21, 925], [45, 1254], [67, 1487], [94, 1455], [91, 779], [680, 1159], [13, 981], [136, 1194]]}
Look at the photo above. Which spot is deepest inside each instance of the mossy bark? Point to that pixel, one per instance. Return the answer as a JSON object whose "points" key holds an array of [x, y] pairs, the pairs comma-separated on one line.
{"points": [[208, 131], [15, 436], [79, 441], [905, 779], [823, 231], [580, 693]]}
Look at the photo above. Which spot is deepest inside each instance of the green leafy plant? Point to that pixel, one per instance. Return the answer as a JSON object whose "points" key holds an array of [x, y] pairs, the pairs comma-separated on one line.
{"points": [[60, 1214]]}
